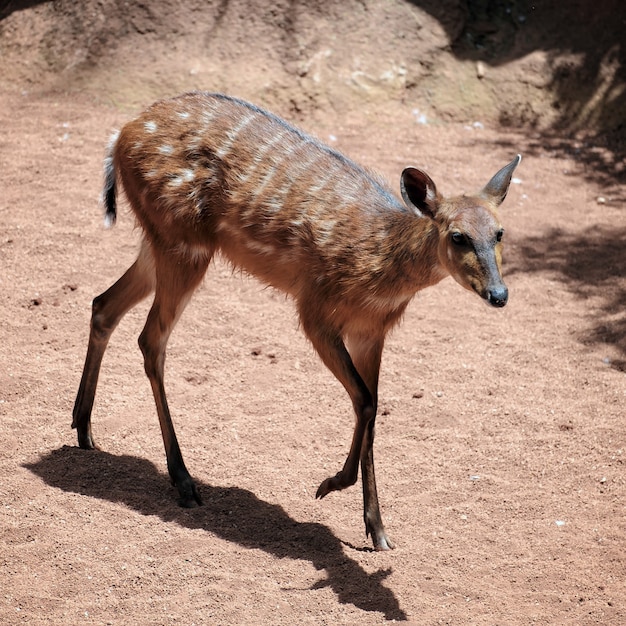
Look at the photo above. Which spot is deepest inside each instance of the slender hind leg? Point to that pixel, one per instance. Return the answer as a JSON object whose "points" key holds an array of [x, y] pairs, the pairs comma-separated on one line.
{"points": [[107, 310], [177, 279]]}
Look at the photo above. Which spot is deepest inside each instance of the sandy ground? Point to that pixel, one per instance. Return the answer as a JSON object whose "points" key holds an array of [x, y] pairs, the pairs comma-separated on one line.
{"points": [[500, 441]]}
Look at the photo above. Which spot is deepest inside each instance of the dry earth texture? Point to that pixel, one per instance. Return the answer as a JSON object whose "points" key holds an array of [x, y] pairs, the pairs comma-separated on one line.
{"points": [[500, 445]]}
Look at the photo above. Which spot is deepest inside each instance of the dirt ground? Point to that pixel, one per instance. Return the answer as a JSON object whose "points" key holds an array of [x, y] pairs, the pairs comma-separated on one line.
{"points": [[500, 446]]}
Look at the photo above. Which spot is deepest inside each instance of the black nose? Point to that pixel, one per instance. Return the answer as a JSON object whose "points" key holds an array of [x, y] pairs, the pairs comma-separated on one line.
{"points": [[498, 296]]}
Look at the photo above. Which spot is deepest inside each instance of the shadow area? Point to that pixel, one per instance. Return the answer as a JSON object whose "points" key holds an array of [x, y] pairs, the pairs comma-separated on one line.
{"points": [[230, 513], [9, 6], [583, 42], [583, 46], [592, 265]]}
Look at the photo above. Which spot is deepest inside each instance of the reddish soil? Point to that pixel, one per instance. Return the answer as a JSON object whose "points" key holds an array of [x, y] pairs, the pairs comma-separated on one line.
{"points": [[500, 444]]}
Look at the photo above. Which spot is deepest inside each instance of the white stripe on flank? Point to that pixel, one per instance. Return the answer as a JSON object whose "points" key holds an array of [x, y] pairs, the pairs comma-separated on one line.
{"points": [[260, 156], [322, 182], [324, 231], [208, 117], [296, 168], [232, 134], [276, 202], [271, 172]]}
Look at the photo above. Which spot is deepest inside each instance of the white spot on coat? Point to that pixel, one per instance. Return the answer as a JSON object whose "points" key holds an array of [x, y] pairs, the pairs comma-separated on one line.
{"points": [[186, 176]]}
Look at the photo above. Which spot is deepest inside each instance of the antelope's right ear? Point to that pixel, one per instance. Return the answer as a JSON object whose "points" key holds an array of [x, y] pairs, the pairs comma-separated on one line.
{"points": [[419, 192], [497, 188]]}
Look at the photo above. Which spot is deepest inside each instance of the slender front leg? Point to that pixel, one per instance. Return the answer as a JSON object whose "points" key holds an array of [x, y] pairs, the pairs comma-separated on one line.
{"points": [[366, 354], [357, 369], [348, 475], [107, 310], [371, 509], [333, 353]]}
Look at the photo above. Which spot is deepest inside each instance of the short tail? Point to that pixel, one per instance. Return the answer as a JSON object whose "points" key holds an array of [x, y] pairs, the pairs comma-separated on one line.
{"points": [[109, 190]]}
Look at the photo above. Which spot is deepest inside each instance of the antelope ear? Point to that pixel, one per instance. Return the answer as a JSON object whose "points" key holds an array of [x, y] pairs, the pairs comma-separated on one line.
{"points": [[419, 192], [497, 188]]}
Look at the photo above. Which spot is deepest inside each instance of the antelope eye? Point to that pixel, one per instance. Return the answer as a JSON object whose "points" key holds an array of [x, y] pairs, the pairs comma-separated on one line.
{"points": [[499, 235], [458, 239]]}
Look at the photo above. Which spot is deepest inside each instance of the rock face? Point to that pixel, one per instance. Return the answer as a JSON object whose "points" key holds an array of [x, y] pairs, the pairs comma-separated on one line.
{"points": [[515, 61]]}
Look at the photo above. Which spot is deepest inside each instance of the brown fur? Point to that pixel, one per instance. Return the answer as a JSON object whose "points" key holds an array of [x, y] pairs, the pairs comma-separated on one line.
{"points": [[205, 173]]}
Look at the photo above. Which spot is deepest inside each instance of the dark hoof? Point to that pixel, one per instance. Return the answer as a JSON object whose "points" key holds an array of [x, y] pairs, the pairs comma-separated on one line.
{"points": [[383, 543], [86, 442], [330, 484], [379, 537], [334, 483], [322, 490], [189, 496]]}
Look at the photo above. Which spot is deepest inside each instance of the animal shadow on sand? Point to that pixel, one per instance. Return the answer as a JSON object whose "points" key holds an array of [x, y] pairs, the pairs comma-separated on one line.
{"points": [[230, 513]]}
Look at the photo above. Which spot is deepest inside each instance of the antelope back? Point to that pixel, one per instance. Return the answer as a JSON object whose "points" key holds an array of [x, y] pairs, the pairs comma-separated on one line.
{"points": [[206, 172]]}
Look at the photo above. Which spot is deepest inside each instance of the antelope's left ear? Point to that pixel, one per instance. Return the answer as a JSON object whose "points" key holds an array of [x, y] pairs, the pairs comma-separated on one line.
{"points": [[419, 192], [497, 188]]}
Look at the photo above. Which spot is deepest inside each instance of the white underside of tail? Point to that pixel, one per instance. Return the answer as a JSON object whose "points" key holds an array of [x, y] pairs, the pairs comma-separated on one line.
{"points": [[109, 177]]}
